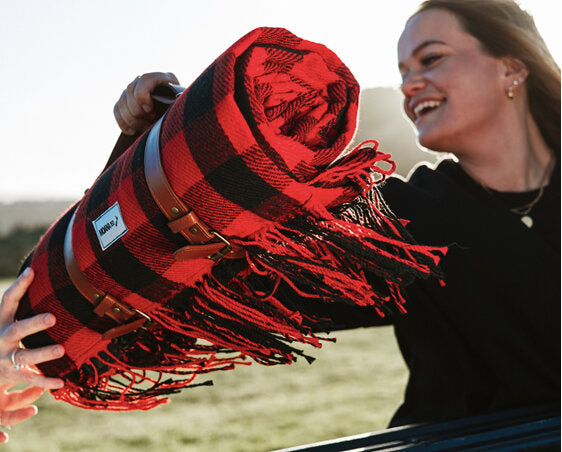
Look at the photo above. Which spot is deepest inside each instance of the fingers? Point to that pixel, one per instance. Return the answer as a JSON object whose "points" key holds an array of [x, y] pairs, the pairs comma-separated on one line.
{"points": [[12, 296], [16, 400], [146, 84], [172, 78], [16, 331], [9, 374], [129, 114], [31, 357], [134, 111], [8, 418], [24, 372], [33, 378], [138, 106], [13, 360]]}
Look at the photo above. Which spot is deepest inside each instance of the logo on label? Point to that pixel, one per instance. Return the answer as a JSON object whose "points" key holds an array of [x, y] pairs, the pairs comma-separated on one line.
{"points": [[109, 226]]}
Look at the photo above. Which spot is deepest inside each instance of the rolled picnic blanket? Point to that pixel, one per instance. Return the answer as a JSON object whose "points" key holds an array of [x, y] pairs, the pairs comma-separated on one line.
{"points": [[155, 279]]}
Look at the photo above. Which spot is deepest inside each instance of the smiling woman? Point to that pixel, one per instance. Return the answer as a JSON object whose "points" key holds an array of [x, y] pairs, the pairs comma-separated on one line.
{"points": [[479, 82]]}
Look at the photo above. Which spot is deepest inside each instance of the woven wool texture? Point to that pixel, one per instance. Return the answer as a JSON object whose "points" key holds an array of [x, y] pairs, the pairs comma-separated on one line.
{"points": [[251, 146]]}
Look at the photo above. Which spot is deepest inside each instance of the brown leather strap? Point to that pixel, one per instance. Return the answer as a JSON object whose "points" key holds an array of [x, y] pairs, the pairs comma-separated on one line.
{"points": [[194, 230], [103, 302], [203, 242], [214, 251]]}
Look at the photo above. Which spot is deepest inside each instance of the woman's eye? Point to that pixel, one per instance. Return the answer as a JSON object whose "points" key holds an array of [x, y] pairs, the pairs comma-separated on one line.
{"points": [[430, 59]]}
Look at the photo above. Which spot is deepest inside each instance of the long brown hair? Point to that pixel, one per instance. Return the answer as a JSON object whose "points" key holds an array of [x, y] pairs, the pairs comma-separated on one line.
{"points": [[505, 30]]}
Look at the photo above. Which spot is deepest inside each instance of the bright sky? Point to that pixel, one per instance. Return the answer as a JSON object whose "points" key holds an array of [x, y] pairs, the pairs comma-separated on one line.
{"points": [[64, 63]]}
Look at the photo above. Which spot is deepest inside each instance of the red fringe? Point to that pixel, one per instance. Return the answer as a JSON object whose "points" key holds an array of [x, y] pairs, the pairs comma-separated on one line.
{"points": [[224, 321]]}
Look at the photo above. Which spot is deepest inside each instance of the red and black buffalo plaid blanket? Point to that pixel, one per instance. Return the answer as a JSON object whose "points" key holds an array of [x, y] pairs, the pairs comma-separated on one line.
{"points": [[254, 146]]}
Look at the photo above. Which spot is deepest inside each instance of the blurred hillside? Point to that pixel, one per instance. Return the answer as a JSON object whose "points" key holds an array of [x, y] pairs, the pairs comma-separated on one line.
{"points": [[21, 226], [29, 214], [380, 118]]}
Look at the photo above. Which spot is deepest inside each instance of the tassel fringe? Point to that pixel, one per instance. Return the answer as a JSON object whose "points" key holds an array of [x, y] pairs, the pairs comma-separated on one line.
{"points": [[238, 313]]}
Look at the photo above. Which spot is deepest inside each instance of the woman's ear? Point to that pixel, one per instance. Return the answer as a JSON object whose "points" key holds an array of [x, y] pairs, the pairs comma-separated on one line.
{"points": [[514, 71]]}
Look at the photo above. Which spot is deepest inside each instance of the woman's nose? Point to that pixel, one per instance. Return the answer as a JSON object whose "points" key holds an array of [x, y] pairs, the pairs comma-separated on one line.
{"points": [[412, 84]]}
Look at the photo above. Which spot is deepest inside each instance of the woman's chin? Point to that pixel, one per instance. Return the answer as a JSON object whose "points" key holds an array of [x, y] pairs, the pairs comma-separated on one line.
{"points": [[427, 141], [433, 141]]}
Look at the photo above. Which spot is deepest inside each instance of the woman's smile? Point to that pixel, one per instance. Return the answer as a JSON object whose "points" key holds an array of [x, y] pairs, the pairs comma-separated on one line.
{"points": [[423, 107]]}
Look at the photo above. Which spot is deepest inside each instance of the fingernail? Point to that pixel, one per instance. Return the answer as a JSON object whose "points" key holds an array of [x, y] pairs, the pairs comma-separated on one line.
{"points": [[49, 319], [27, 271], [58, 350], [146, 108], [59, 384]]}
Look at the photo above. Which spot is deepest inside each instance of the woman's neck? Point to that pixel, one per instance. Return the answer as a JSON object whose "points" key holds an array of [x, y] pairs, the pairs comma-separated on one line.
{"points": [[518, 161]]}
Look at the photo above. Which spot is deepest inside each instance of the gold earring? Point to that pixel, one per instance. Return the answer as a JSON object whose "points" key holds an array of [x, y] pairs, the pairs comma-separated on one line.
{"points": [[513, 85]]}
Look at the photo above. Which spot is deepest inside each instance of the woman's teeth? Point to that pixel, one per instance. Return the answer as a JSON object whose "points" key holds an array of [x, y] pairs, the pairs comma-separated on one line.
{"points": [[425, 106]]}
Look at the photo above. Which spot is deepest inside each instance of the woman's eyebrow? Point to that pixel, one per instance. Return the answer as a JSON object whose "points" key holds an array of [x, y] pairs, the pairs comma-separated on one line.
{"points": [[424, 44], [420, 47]]}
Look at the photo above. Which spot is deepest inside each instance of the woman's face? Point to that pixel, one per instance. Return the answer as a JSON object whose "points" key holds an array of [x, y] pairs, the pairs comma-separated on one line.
{"points": [[453, 90]]}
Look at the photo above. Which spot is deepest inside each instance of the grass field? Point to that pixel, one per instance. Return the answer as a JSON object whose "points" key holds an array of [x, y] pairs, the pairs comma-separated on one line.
{"points": [[353, 387]]}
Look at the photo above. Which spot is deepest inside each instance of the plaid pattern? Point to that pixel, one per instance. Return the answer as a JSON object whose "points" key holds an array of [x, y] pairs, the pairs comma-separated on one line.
{"points": [[250, 146]]}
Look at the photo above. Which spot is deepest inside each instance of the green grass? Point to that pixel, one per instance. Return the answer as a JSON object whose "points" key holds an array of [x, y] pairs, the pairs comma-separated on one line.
{"points": [[353, 387]]}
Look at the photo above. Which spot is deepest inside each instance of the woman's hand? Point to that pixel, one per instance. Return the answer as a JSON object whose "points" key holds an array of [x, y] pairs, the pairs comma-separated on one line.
{"points": [[134, 111], [15, 362], [16, 406]]}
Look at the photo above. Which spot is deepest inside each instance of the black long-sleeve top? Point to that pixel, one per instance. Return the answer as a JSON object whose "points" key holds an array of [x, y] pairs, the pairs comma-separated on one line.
{"points": [[489, 339]]}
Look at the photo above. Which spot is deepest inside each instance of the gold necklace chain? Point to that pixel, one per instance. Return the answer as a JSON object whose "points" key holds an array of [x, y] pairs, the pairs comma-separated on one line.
{"points": [[524, 210]]}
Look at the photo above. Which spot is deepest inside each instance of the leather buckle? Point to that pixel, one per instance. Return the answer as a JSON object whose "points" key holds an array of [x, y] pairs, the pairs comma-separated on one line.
{"points": [[222, 252], [139, 324], [104, 304], [181, 218], [148, 320]]}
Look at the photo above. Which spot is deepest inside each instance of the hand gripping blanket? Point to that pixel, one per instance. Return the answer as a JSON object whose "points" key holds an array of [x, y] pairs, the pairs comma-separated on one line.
{"points": [[255, 147]]}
